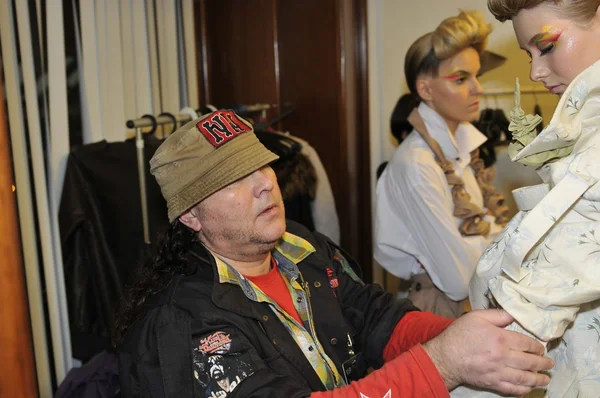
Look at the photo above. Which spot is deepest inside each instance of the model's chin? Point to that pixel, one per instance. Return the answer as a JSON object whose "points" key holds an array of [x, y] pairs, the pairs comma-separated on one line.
{"points": [[473, 113]]}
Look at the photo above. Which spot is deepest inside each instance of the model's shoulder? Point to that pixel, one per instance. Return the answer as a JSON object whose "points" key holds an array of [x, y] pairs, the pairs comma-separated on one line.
{"points": [[412, 159]]}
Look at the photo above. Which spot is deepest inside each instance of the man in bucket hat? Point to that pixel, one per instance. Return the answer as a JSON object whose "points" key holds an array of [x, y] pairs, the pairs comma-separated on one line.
{"points": [[239, 303]]}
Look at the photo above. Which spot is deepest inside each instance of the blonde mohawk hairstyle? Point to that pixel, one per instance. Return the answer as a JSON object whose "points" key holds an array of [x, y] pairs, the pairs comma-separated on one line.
{"points": [[454, 34]]}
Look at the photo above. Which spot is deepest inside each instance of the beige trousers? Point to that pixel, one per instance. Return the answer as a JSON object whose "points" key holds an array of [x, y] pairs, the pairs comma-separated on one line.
{"points": [[427, 297]]}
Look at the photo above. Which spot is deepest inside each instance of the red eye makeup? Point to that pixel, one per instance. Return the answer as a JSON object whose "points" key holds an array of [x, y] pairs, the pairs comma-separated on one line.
{"points": [[459, 75]]}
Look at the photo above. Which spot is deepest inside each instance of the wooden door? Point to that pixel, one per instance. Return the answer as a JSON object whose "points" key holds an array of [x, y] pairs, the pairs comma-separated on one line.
{"points": [[312, 54], [18, 377]]}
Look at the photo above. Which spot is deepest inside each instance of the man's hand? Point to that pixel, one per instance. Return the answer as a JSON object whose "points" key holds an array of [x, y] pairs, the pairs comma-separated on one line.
{"points": [[476, 350]]}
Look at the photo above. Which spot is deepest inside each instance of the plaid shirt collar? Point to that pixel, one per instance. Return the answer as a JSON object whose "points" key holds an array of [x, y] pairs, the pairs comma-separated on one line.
{"points": [[290, 246]]}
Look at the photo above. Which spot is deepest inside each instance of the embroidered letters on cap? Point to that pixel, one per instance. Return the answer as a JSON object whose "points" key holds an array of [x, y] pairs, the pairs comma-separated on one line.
{"points": [[221, 127]]}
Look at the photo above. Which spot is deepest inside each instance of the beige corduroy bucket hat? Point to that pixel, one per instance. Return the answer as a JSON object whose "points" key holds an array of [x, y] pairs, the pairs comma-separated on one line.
{"points": [[204, 156]]}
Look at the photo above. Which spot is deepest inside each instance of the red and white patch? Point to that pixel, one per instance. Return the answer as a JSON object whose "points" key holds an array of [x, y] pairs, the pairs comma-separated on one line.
{"points": [[333, 280], [221, 127], [216, 342]]}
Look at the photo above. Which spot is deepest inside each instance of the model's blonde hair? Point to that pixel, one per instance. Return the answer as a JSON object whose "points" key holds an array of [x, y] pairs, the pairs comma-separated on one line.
{"points": [[580, 11], [453, 35]]}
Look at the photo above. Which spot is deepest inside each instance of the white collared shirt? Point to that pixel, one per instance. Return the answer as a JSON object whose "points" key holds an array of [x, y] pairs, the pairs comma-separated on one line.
{"points": [[414, 220]]}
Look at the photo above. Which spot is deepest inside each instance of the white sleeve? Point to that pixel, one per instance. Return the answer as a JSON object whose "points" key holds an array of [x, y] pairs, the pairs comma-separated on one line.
{"points": [[323, 208], [543, 285], [448, 257]]}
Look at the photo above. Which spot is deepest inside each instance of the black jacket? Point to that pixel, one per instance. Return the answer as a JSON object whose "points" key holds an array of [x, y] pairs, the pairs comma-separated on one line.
{"points": [[101, 232], [157, 355]]}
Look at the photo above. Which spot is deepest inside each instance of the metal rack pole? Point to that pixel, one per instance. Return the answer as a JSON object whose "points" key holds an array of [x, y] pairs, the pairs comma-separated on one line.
{"points": [[184, 117], [139, 144], [160, 120]]}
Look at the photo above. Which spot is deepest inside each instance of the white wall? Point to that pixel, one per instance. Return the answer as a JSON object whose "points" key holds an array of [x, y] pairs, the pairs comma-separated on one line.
{"points": [[393, 26]]}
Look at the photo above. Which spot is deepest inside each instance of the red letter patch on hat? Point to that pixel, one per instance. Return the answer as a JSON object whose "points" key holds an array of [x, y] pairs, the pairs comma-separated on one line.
{"points": [[222, 126]]}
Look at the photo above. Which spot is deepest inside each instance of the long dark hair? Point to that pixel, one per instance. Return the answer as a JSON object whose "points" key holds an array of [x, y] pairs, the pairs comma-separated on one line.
{"points": [[399, 120], [170, 257]]}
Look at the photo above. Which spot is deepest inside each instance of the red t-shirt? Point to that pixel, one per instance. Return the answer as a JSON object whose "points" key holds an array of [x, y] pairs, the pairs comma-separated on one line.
{"points": [[273, 285], [408, 370]]}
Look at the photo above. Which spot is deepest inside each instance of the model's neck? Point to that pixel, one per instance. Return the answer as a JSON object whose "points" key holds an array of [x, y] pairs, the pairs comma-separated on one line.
{"points": [[450, 123], [452, 126]]}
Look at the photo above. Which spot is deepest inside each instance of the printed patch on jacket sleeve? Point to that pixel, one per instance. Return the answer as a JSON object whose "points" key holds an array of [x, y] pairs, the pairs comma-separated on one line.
{"points": [[346, 267], [219, 364]]}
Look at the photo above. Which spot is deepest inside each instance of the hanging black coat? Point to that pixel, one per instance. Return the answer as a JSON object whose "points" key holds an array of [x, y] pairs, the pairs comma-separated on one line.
{"points": [[102, 234]]}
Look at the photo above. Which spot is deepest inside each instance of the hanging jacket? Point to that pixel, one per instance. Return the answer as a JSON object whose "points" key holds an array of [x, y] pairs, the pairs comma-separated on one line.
{"points": [[102, 234], [98, 378]]}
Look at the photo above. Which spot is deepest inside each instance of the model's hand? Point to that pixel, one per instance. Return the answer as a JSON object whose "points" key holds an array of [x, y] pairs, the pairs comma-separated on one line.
{"points": [[476, 350]]}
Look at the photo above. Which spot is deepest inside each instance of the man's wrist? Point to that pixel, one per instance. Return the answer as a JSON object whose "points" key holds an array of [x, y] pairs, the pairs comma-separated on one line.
{"points": [[441, 363]]}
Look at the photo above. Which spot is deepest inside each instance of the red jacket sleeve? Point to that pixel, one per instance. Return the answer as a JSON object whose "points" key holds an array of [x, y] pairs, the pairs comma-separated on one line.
{"points": [[408, 372], [414, 328], [412, 374]]}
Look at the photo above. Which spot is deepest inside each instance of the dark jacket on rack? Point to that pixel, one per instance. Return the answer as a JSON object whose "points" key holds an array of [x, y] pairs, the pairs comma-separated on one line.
{"points": [[102, 234], [155, 358]]}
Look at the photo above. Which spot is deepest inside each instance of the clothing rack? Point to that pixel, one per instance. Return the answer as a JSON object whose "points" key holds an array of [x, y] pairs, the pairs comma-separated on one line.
{"points": [[162, 119], [186, 117]]}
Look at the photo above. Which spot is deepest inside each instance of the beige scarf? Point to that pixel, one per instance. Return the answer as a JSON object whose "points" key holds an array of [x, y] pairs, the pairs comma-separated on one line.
{"points": [[474, 223]]}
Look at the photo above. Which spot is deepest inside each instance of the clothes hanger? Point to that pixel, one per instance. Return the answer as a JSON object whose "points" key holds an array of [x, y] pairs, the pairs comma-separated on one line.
{"points": [[189, 111], [173, 119], [154, 124], [276, 119]]}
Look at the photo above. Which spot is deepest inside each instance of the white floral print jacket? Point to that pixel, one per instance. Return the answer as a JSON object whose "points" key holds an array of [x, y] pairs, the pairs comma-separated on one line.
{"points": [[544, 268]]}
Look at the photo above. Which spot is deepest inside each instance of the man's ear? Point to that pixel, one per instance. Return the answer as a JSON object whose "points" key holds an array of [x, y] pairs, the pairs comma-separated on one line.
{"points": [[424, 88], [190, 219]]}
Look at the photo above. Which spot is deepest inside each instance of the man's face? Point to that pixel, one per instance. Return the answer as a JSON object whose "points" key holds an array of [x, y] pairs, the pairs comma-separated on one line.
{"points": [[216, 367], [244, 219]]}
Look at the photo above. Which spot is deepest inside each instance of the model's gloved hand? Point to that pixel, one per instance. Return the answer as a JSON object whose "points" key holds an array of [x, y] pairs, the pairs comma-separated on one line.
{"points": [[477, 351]]}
